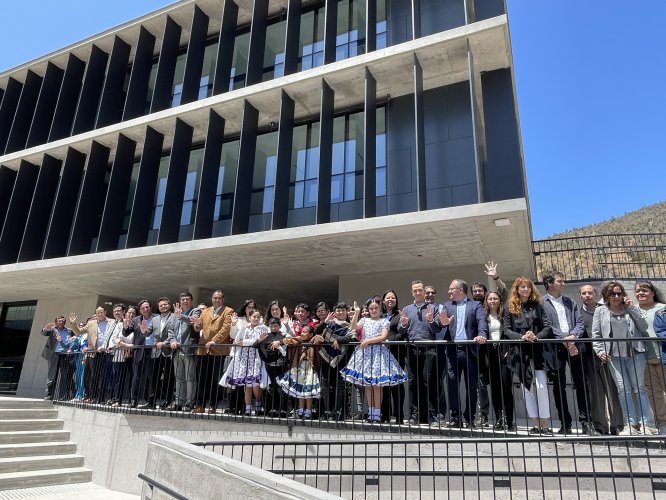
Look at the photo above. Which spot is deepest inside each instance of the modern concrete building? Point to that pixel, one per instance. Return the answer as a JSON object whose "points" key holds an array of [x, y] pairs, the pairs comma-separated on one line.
{"points": [[300, 149]]}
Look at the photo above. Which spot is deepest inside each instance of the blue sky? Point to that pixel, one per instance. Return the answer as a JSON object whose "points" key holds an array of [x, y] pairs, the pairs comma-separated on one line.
{"points": [[590, 78]]}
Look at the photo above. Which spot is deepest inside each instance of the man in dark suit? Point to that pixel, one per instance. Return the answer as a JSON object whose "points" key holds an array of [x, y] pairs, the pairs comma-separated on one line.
{"points": [[58, 336], [142, 366], [462, 320], [158, 330], [184, 341]]}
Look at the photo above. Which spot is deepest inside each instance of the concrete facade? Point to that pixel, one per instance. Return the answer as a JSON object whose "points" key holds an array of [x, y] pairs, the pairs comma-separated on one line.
{"points": [[240, 145]]}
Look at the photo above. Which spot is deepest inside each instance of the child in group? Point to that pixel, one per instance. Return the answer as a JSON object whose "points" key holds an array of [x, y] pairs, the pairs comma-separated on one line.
{"points": [[247, 368], [302, 381], [372, 365], [274, 355]]}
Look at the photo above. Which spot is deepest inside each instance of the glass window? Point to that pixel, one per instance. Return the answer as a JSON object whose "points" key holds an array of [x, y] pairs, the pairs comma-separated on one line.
{"points": [[305, 170], [206, 82], [347, 168], [158, 200], [239, 61], [274, 51], [177, 88], [15, 325], [225, 187], [350, 36], [311, 44]]}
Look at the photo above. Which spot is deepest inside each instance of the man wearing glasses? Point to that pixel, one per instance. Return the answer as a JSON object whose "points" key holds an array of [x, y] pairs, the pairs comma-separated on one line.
{"points": [[462, 320], [433, 311]]}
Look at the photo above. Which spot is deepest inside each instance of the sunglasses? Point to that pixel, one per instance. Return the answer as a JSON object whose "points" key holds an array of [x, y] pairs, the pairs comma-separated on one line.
{"points": [[616, 294]]}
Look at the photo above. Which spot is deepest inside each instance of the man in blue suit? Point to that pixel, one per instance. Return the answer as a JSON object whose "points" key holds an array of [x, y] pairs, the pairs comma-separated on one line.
{"points": [[462, 319]]}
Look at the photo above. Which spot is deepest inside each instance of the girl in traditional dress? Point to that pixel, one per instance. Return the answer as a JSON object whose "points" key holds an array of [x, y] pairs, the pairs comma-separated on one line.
{"points": [[302, 381], [247, 368], [372, 365]]}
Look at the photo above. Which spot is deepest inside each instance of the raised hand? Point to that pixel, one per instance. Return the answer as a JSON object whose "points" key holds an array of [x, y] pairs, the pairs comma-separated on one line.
{"points": [[285, 315], [355, 307], [444, 319], [177, 310], [491, 269], [49, 326], [143, 326], [234, 318], [429, 314], [127, 320], [330, 318], [404, 319], [72, 317]]}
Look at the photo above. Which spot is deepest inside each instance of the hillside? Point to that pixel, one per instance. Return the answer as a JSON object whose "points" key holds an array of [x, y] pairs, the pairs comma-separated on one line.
{"points": [[607, 256], [648, 219]]}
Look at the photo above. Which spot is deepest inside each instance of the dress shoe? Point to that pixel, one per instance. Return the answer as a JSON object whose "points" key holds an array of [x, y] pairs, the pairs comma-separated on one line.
{"points": [[454, 424], [147, 406], [470, 425], [481, 421], [164, 405], [187, 408], [197, 409], [589, 430], [133, 404], [212, 410], [175, 407], [534, 431], [499, 426], [547, 431], [48, 398], [565, 429]]}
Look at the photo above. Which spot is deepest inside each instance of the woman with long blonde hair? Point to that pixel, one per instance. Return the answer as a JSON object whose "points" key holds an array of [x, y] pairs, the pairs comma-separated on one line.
{"points": [[525, 320]]}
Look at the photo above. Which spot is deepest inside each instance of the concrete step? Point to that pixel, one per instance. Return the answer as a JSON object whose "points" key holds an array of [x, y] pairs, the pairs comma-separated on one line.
{"points": [[40, 462], [35, 449], [27, 413], [29, 479], [33, 436], [38, 424], [11, 403]]}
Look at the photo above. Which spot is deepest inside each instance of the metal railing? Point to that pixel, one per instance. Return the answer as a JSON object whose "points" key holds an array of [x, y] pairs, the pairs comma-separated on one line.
{"points": [[434, 399], [502, 467], [152, 484], [617, 256]]}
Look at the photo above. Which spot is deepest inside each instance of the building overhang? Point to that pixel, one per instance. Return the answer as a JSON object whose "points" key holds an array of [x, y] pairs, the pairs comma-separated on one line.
{"points": [[292, 263], [442, 56]]}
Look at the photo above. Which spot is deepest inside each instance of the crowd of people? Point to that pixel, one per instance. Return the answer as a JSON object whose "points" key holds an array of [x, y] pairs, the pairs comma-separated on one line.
{"points": [[407, 363]]}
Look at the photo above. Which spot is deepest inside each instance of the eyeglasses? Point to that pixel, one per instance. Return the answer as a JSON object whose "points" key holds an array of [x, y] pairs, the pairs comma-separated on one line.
{"points": [[452, 289], [430, 293], [616, 294]]}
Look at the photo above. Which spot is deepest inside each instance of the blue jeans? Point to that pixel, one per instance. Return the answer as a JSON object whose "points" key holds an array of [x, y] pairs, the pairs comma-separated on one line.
{"points": [[628, 373]]}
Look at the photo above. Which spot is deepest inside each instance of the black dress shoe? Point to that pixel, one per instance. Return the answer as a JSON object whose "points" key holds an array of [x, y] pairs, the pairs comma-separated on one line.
{"points": [[565, 429], [187, 408], [546, 431], [470, 425], [147, 406], [132, 404], [499, 426], [589, 430], [164, 405], [454, 424], [175, 407]]}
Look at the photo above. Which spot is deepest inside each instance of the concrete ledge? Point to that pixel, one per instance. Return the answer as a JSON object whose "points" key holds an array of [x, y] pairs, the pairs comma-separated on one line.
{"points": [[197, 473]]}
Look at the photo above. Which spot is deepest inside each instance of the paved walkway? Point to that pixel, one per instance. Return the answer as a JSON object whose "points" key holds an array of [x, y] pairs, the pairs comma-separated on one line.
{"points": [[81, 491]]}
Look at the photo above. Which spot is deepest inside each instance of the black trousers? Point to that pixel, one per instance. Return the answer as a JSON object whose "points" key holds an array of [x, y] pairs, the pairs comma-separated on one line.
{"points": [[97, 376], [210, 373], [500, 378], [423, 384], [274, 397], [484, 379], [332, 389], [559, 381], [393, 397]]}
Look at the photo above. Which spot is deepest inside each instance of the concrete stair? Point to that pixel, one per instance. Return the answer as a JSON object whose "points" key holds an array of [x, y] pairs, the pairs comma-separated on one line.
{"points": [[35, 451]]}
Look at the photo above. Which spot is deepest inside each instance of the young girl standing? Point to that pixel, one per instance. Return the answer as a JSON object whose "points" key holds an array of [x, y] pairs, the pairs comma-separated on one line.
{"points": [[372, 365], [246, 368], [302, 381]]}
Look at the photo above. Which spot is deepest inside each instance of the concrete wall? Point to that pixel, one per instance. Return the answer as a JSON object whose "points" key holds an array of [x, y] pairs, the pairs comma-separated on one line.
{"points": [[115, 445], [198, 473]]}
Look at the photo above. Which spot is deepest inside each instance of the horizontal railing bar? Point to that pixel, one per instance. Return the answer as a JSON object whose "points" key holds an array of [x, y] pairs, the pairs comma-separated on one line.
{"points": [[162, 487]]}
